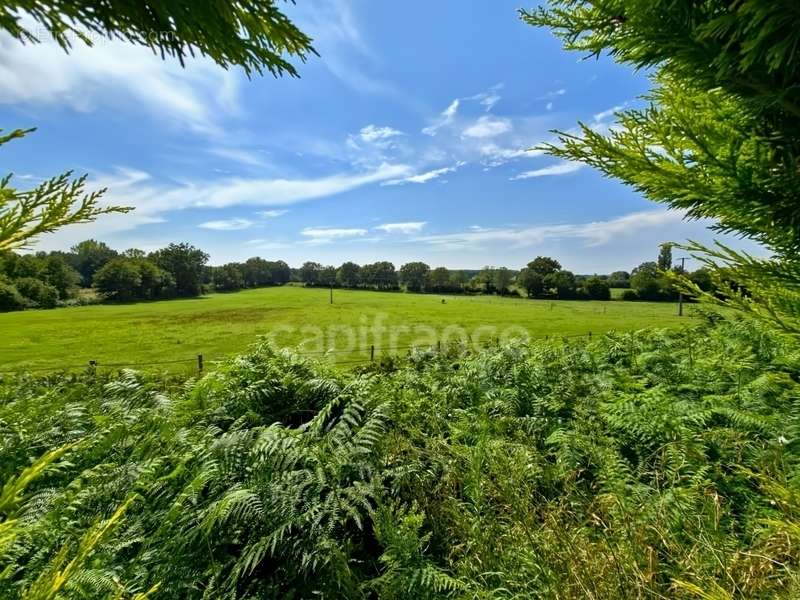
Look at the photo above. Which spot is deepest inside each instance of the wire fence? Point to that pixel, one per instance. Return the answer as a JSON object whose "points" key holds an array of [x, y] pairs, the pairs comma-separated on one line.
{"points": [[199, 362]]}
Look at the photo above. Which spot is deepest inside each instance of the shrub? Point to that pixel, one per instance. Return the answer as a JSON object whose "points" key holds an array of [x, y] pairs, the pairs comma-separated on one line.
{"points": [[119, 278], [597, 289], [39, 293], [630, 295], [10, 298]]}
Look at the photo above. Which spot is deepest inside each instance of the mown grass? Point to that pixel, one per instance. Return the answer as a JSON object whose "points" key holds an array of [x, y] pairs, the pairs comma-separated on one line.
{"points": [[219, 325]]}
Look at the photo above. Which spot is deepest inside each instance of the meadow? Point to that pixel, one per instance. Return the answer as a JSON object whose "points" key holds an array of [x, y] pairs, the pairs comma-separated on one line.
{"points": [[220, 325]]}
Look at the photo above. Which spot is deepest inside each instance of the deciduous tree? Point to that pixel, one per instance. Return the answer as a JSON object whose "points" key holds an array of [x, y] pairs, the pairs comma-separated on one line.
{"points": [[413, 275]]}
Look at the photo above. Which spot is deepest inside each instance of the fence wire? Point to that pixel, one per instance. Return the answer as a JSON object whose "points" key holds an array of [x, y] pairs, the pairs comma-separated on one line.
{"points": [[373, 354]]}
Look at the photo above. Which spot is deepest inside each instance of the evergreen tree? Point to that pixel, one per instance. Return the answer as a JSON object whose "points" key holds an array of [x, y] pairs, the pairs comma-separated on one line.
{"points": [[719, 137]]}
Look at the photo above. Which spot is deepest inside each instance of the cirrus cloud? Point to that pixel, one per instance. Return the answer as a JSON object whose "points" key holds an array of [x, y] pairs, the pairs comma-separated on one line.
{"points": [[227, 224], [404, 228]]}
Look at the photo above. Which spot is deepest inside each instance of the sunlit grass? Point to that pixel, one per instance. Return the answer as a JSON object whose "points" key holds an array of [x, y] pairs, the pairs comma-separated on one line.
{"points": [[219, 325]]}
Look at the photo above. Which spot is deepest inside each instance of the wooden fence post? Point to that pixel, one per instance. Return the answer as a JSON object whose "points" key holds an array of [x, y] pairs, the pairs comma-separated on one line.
{"points": [[93, 367], [372, 353], [200, 363]]}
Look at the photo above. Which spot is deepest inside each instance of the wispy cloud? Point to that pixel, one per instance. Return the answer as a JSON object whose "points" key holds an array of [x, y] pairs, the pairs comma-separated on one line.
{"points": [[445, 118], [337, 36], [326, 235], [595, 233], [488, 98], [138, 189], [227, 224], [553, 94], [404, 228], [155, 199], [495, 155], [116, 74], [487, 127], [426, 176], [603, 115], [373, 133], [564, 168], [239, 155], [272, 214]]}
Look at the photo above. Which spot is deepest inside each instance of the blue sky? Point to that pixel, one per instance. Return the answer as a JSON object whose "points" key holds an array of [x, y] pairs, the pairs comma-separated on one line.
{"points": [[407, 139]]}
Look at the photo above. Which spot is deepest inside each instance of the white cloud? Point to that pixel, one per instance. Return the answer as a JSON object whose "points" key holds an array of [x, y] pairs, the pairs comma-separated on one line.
{"points": [[558, 169], [153, 200], [272, 214], [405, 228], [602, 116], [486, 127], [489, 101], [336, 35], [332, 232], [326, 235], [549, 106], [553, 94], [596, 233], [424, 177], [227, 224], [239, 155], [495, 155], [372, 133], [445, 118], [279, 192], [117, 74]]}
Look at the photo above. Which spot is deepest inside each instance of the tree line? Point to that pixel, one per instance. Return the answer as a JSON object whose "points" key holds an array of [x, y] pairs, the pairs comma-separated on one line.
{"points": [[49, 279]]}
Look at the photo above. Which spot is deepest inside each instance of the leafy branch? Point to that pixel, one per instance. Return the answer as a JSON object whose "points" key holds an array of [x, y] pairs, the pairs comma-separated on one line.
{"points": [[59, 201]]}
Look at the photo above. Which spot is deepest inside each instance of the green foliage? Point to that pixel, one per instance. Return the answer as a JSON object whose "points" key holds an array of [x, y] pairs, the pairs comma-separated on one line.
{"points": [[619, 279], [348, 275], [718, 137], [380, 275], [531, 281], [10, 298], [89, 256], [60, 201], [309, 272], [253, 34], [185, 263], [42, 279], [597, 289], [119, 279], [656, 464], [562, 283], [224, 324], [665, 257], [133, 278], [40, 294], [544, 266], [228, 278], [501, 279], [414, 275], [258, 272]]}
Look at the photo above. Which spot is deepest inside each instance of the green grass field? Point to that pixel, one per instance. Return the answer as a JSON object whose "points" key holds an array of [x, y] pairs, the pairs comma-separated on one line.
{"points": [[219, 325]]}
